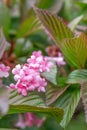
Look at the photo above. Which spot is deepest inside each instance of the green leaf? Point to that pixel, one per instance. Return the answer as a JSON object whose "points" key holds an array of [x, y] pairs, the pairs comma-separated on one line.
{"points": [[54, 25], [3, 43], [22, 47], [80, 76], [45, 4], [32, 99], [72, 25], [61, 81], [67, 10], [53, 5], [51, 76], [77, 76], [84, 97], [4, 100], [4, 17], [32, 103], [57, 6], [53, 93], [74, 50], [53, 111], [82, 4], [68, 101], [29, 26]]}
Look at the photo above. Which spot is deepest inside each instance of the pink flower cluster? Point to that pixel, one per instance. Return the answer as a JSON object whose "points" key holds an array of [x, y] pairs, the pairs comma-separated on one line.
{"points": [[4, 71], [28, 76], [30, 120], [59, 60]]}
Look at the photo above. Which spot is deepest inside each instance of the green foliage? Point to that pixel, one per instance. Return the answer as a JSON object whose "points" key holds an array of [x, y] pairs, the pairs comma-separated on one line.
{"points": [[22, 47], [61, 81], [4, 18], [77, 77], [53, 93], [72, 25], [80, 77], [32, 103], [75, 50], [82, 4], [68, 101], [51, 76], [54, 25], [28, 27], [45, 4]]}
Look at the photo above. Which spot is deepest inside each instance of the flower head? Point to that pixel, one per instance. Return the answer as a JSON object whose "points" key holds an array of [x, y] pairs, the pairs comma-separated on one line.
{"points": [[28, 76]]}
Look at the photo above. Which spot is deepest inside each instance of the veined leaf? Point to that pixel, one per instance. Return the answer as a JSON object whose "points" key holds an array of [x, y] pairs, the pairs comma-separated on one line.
{"points": [[29, 26], [53, 111], [53, 93], [51, 76], [31, 99], [68, 101], [32, 103], [77, 76], [80, 76], [54, 25], [84, 97], [74, 50], [72, 25]]}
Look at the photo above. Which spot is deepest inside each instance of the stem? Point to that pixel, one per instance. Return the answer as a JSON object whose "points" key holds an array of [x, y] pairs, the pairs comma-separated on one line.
{"points": [[11, 48]]}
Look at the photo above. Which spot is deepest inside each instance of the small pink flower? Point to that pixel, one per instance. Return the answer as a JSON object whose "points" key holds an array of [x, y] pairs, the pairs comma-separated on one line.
{"points": [[4, 71], [29, 120], [59, 60], [32, 119], [28, 76], [17, 69], [21, 123]]}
